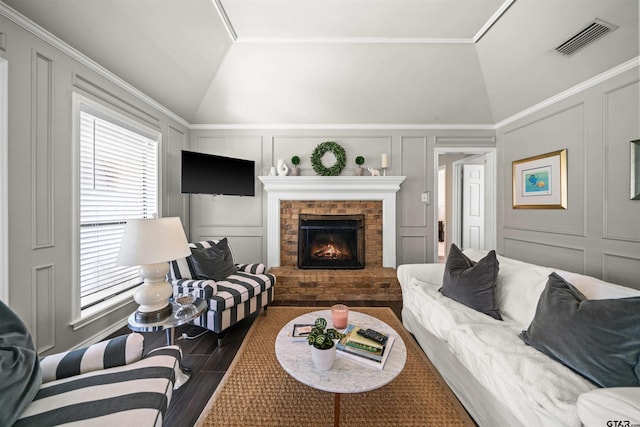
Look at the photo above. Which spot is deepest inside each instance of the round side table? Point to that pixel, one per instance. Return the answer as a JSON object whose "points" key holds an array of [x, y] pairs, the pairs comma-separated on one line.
{"points": [[179, 316]]}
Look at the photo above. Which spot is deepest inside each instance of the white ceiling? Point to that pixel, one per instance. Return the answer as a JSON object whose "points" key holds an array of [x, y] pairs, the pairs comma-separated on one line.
{"points": [[341, 61], [378, 19]]}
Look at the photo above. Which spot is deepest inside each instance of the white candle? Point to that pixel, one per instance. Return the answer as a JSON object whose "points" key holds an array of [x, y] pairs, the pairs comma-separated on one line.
{"points": [[385, 160]]}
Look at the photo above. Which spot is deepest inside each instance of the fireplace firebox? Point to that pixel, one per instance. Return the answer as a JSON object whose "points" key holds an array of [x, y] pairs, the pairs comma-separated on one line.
{"points": [[330, 241]]}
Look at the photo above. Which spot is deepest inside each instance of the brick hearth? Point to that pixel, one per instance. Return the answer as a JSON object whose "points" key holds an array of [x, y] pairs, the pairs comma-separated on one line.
{"points": [[374, 282]]}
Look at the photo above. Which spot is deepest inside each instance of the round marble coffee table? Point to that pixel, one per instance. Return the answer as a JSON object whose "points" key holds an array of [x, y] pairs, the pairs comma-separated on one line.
{"points": [[346, 375]]}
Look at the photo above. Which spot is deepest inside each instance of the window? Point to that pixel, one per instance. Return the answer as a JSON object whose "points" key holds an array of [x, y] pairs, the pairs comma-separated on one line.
{"points": [[118, 181]]}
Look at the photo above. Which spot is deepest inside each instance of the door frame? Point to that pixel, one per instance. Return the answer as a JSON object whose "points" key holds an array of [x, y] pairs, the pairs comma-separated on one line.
{"points": [[491, 237], [4, 187]]}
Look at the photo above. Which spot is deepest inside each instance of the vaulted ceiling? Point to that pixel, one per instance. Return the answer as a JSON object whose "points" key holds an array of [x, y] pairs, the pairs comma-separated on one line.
{"points": [[371, 62]]}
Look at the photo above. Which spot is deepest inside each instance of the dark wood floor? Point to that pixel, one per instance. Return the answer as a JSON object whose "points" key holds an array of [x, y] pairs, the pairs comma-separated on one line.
{"points": [[210, 362]]}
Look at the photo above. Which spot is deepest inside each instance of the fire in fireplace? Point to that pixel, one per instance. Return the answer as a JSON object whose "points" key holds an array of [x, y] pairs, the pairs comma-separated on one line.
{"points": [[331, 241]]}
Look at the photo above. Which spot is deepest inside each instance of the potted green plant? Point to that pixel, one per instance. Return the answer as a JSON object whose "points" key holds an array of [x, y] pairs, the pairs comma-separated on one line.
{"points": [[323, 349], [295, 170], [359, 168]]}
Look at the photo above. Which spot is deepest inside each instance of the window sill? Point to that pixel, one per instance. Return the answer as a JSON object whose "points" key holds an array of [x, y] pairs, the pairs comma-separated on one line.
{"points": [[98, 311]]}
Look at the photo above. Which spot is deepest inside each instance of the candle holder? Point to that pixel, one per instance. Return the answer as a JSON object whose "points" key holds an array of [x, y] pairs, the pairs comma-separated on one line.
{"points": [[384, 171]]}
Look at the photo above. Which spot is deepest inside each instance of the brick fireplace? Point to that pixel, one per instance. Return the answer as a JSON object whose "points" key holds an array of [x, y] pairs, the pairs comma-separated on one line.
{"points": [[373, 197]]}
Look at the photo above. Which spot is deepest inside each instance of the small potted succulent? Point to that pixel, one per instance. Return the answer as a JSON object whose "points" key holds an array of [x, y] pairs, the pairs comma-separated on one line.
{"points": [[323, 349], [295, 170], [359, 163]]}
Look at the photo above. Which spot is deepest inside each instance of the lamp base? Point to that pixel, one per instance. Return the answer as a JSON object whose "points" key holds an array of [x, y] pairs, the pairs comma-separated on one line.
{"points": [[153, 316]]}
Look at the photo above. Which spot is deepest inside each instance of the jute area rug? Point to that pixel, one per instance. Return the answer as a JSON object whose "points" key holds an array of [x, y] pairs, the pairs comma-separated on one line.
{"points": [[256, 391]]}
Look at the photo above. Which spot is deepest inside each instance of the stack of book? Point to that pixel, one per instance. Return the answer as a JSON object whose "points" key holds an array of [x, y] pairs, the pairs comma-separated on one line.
{"points": [[364, 350]]}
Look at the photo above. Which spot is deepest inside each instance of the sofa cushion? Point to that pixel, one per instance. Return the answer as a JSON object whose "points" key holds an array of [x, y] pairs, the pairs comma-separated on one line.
{"points": [[471, 283], [182, 268], [599, 407], [215, 262], [518, 286], [117, 351], [599, 339], [20, 375]]}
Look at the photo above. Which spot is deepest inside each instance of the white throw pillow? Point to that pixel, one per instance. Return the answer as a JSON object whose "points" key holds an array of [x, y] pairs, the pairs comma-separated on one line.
{"points": [[603, 406]]}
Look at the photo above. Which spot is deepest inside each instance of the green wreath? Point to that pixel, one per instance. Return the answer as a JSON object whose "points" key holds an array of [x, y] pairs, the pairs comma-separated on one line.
{"points": [[321, 149]]}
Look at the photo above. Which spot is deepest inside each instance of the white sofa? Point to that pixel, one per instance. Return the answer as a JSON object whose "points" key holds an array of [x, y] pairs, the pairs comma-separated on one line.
{"points": [[499, 379]]}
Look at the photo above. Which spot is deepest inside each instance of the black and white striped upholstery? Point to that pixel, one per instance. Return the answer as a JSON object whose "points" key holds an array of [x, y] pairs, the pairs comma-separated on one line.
{"points": [[106, 354], [135, 393], [229, 300]]}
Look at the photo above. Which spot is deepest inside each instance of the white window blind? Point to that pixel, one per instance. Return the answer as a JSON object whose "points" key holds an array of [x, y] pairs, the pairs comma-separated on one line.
{"points": [[118, 182]]}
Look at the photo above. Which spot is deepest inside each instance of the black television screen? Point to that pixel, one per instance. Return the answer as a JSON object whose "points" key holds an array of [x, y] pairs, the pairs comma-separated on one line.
{"points": [[211, 174]]}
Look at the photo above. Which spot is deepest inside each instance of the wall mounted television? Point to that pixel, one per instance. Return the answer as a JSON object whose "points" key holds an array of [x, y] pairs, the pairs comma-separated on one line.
{"points": [[211, 174]]}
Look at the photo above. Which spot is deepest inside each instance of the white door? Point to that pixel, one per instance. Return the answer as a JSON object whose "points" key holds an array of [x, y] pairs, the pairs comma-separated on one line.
{"points": [[473, 229]]}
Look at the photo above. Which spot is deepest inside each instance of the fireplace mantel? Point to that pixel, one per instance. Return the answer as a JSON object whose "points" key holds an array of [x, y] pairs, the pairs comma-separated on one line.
{"points": [[382, 188]]}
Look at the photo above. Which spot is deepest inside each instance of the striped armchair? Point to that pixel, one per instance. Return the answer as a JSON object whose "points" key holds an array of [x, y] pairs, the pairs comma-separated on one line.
{"points": [[108, 383], [229, 300]]}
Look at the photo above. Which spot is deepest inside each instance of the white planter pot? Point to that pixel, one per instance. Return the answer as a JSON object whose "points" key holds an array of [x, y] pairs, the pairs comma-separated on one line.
{"points": [[323, 359]]}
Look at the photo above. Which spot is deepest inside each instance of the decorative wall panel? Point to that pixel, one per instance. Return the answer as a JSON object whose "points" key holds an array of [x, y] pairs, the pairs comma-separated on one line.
{"points": [[42, 151], [43, 312], [620, 269], [621, 110], [413, 250], [548, 255], [560, 129], [414, 158]]}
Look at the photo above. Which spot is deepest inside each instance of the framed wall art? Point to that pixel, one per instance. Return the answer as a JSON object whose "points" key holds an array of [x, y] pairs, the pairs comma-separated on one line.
{"points": [[540, 182]]}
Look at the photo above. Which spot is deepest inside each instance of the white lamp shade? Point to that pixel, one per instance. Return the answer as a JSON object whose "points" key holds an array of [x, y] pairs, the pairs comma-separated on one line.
{"points": [[151, 241]]}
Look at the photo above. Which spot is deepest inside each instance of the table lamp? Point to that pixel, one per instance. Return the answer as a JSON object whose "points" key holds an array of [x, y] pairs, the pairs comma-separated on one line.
{"points": [[151, 243]]}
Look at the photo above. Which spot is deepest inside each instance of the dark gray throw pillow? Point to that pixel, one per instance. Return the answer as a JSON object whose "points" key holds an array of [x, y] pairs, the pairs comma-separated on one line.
{"points": [[20, 375], [472, 283], [598, 339], [214, 263]]}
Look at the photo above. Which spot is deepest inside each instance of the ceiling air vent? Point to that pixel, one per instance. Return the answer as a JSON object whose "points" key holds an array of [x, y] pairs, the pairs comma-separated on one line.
{"points": [[589, 34]]}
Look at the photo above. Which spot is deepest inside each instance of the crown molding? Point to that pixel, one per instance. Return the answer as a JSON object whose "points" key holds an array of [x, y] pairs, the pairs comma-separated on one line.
{"points": [[339, 126], [225, 20], [494, 18], [78, 56], [609, 74], [349, 40]]}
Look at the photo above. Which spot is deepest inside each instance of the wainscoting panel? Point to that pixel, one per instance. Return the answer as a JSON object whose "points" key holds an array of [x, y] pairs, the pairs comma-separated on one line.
{"points": [[42, 151], [558, 130], [229, 211], [246, 248], [621, 270], [369, 147], [176, 204], [43, 312], [621, 109], [413, 250], [413, 212], [548, 255]]}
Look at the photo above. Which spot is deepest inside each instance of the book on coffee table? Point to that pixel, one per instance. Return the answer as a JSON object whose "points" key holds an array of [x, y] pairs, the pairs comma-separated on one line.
{"points": [[364, 350], [300, 331]]}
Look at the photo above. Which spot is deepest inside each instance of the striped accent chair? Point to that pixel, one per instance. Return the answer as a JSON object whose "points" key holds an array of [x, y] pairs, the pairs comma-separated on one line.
{"points": [[108, 383], [230, 300]]}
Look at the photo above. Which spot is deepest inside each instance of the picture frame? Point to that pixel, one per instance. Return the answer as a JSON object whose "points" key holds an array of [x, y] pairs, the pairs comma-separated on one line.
{"points": [[635, 169], [540, 182]]}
